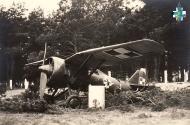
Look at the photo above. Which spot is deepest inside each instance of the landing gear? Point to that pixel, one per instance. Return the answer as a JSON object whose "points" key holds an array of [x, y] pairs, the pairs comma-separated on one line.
{"points": [[73, 101], [64, 98]]}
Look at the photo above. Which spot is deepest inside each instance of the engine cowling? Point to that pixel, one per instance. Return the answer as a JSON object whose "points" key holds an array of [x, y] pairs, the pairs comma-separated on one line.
{"points": [[54, 67]]}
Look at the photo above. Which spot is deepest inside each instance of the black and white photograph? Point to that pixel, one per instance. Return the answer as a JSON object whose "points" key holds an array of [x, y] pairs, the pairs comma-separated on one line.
{"points": [[94, 62]]}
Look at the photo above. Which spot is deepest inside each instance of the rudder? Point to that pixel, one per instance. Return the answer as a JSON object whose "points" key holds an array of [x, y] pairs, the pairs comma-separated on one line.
{"points": [[139, 77]]}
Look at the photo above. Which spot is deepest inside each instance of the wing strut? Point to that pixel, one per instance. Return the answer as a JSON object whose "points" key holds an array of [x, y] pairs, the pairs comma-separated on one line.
{"points": [[73, 78], [97, 67]]}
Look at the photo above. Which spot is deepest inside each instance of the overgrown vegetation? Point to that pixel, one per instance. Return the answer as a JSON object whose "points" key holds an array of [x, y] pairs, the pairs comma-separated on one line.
{"points": [[156, 99], [27, 102]]}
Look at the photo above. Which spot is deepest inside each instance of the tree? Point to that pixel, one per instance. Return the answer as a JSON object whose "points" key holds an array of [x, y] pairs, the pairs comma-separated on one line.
{"points": [[11, 28]]}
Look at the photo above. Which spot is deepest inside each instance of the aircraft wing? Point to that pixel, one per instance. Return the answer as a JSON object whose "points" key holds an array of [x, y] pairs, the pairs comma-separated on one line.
{"points": [[115, 54]]}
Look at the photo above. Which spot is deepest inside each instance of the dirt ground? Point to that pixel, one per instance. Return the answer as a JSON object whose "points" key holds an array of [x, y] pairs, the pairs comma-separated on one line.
{"points": [[140, 116], [171, 116], [172, 86]]}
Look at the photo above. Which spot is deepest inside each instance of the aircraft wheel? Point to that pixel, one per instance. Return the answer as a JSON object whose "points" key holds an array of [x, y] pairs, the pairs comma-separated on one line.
{"points": [[143, 89], [73, 101], [49, 98]]}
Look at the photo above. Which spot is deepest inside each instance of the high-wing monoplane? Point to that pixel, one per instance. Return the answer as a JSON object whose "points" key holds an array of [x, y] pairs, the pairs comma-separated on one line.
{"points": [[81, 69]]}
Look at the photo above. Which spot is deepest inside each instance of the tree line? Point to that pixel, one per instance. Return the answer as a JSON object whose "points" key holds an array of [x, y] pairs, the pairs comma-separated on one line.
{"points": [[77, 26]]}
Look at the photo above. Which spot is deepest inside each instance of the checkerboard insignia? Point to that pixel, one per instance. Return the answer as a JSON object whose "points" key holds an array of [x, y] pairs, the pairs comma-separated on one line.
{"points": [[122, 53]]}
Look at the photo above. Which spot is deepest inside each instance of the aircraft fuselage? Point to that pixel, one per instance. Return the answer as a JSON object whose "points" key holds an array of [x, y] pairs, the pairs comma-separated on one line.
{"points": [[60, 76]]}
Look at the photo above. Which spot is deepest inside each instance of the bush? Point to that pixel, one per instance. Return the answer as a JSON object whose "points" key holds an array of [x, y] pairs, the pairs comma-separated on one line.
{"points": [[157, 99], [159, 107], [27, 102]]}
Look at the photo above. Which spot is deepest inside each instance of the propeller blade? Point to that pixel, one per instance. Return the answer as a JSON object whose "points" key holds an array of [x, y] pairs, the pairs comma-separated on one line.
{"points": [[43, 82], [43, 76]]}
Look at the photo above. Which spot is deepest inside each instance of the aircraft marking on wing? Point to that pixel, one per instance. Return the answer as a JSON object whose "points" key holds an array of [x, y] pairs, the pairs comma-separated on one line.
{"points": [[122, 53]]}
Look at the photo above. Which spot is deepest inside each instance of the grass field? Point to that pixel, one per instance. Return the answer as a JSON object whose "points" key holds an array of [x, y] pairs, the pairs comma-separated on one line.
{"points": [[143, 116]]}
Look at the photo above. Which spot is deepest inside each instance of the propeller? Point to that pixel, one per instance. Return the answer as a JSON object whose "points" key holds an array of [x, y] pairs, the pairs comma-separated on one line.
{"points": [[43, 76]]}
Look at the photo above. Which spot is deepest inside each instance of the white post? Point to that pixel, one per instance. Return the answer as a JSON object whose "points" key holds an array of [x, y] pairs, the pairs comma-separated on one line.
{"points": [[165, 76], [109, 73], [185, 75], [179, 75], [127, 78], [43, 82], [96, 96], [21, 85], [26, 83], [11, 84]]}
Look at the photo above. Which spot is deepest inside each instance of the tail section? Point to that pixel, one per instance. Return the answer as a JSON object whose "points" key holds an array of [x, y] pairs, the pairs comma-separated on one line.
{"points": [[139, 77]]}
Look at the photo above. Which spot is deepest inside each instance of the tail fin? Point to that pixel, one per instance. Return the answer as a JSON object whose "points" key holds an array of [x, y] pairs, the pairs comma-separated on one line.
{"points": [[139, 77]]}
